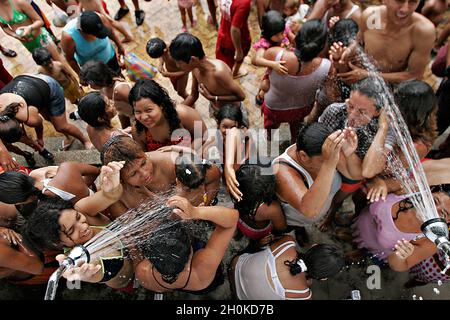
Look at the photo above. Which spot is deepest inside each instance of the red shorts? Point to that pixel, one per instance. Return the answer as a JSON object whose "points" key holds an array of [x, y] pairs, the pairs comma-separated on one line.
{"points": [[254, 234], [273, 118], [227, 54]]}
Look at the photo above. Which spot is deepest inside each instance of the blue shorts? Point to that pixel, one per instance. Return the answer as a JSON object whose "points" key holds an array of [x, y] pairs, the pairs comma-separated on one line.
{"points": [[57, 105]]}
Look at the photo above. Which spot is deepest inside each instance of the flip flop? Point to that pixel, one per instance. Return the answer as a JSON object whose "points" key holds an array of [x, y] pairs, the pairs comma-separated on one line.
{"points": [[65, 147], [9, 53]]}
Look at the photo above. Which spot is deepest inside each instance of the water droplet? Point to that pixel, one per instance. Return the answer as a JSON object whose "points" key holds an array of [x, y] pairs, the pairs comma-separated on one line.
{"points": [[414, 297], [420, 298], [439, 283], [436, 290]]}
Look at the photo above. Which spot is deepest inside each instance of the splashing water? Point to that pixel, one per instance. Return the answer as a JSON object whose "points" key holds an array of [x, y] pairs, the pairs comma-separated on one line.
{"points": [[413, 178]]}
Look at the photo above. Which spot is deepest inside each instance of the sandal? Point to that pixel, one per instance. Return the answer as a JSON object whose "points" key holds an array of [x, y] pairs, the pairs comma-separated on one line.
{"points": [[122, 12], [8, 52], [47, 155], [66, 146]]}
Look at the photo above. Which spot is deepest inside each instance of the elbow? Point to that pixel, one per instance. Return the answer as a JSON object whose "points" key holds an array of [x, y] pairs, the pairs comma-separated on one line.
{"points": [[308, 211], [368, 172], [241, 96]]}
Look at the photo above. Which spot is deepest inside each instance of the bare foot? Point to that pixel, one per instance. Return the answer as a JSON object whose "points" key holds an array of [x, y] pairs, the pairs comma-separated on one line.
{"points": [[66, 144], [241, 73]]}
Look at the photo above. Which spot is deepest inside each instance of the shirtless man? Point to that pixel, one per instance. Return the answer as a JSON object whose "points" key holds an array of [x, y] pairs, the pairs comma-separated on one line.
{"points": [[211, 77], [344, 9], [398, 40]]}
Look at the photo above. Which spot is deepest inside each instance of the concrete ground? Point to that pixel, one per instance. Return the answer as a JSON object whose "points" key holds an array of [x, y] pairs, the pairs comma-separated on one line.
{"points": [[163, 20]]}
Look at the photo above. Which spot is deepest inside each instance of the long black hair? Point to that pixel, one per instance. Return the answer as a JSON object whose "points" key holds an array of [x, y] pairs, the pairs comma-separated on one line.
{"points": [[42, 231], [168, 248], [17, 187], [310, 40], [257, 183], [322, 261], [152, 90]]}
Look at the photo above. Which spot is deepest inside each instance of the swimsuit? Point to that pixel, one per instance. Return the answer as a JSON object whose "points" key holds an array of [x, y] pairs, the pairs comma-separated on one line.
{"points": [[18, 17]]}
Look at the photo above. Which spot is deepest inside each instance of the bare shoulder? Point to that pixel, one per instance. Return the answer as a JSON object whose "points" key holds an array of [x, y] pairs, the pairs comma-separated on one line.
{"points": [[272, 52], [422, 27], [183, 110]]}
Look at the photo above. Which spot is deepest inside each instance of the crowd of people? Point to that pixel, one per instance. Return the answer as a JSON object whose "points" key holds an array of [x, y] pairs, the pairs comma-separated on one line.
{"points": [[324, 62]]}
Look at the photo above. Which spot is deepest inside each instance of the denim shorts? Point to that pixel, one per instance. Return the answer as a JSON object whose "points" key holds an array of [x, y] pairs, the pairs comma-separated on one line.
{"points": [[57, 105]]}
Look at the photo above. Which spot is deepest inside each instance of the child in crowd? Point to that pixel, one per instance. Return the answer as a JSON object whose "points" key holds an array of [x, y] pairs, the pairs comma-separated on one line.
{"points": [[55, 69], [157, 49], [186, 6]]}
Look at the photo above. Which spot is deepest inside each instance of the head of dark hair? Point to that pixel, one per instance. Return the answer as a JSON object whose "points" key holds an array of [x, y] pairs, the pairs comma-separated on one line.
{"points": [[42, 56], [155, 47], [311, 39], [417, 103], [92, 110], [168, 248], [257, 184], [42, 231], [311, 137], [344, 31], [322, 261], [228, 111], [272, 24], [185, 46], [10, 129], [371, 88], [121, 148], [16, 187], [149, 89], [97, 73], [191, 170]]}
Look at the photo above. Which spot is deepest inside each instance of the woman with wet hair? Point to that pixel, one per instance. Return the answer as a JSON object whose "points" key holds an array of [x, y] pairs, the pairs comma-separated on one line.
{"points": [[97, 110], [260, 213], [57, 224], [159, 122], [70, 181], [280, 272], [173, 261], [144, 176]]}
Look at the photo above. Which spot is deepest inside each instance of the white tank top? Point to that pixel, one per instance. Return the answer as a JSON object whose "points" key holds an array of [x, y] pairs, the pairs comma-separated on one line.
{"points": [[251, 280], [296, 218]]}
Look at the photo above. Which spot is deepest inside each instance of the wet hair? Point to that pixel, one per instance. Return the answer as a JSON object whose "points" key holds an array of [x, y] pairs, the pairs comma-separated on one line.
{"points": [[42, 56], [121, 148], [91, 109], [149, 89], [310, 40], [344, 31], [10, 129], [272, 24], [16, 187], [42, 231], [311, 138], [190, 170], [155, 47], [417, 103], [98, 73], [322, 261], [168, 249], [185, 46], [256, 186], [370, 87], [228, 111]]}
